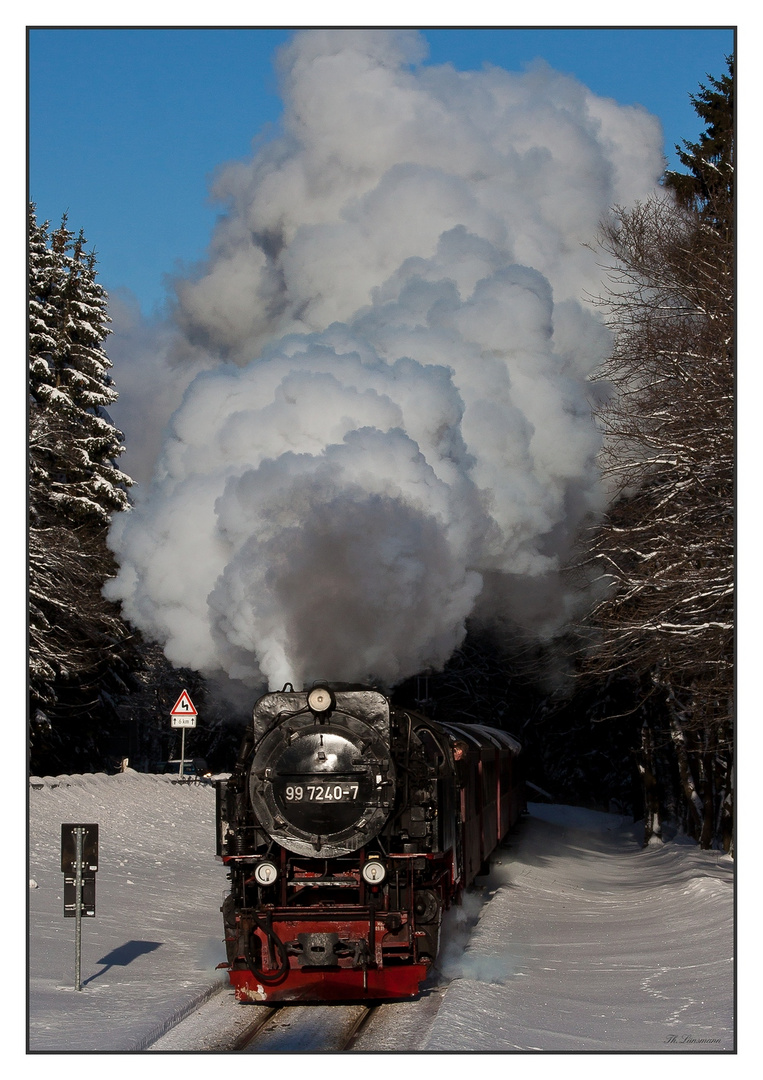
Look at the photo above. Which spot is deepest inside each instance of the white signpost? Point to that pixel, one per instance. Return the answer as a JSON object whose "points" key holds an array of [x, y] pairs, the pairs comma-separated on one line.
{"points": [[183, 715]]}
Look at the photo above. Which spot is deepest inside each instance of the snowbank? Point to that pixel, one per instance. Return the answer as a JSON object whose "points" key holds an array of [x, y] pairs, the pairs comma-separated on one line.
{"points": [[592, 943], [586, 941], [150, 952]]}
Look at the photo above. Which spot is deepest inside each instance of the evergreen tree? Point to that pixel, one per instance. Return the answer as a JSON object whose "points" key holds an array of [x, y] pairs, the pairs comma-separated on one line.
{"points": [[41, 269], [708, 186], [70, 384], [76, 638]]}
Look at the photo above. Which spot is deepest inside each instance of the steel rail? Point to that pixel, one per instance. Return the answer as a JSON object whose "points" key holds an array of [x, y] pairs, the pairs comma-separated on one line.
{"points": [[249, 1034], [247, 1041], [358, 1026]]}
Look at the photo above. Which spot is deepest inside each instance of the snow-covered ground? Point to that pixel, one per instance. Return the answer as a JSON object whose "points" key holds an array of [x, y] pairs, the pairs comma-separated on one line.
{"points": [[584, 940], [152, 948], [592, 943]]}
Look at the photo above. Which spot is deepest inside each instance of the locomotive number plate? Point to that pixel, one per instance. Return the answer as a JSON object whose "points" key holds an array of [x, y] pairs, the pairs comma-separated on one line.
{"points": [[321, 792]]}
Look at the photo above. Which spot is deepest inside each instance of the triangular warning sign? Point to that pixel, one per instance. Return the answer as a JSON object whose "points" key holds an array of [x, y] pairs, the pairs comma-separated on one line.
{"points": [[183, 706]]}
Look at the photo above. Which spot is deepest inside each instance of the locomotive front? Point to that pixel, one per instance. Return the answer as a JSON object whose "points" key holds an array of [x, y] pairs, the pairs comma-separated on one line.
{"points": [[322, 782], [328, 826]]}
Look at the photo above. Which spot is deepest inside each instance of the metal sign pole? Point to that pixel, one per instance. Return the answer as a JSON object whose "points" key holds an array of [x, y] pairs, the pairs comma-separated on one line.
{"points": [[182, 752], [78, 835], [79, 863]]}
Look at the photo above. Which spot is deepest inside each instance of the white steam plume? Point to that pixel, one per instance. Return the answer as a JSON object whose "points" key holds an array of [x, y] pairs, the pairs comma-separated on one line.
{"points": [[396, 406]]}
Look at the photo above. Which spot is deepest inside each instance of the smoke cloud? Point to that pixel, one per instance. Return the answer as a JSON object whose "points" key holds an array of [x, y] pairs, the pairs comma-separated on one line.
{"points": [[390, 429]]}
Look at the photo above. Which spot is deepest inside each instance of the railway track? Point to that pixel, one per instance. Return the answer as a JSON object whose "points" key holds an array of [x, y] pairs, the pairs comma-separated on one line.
{"points": [[300, 1029]]}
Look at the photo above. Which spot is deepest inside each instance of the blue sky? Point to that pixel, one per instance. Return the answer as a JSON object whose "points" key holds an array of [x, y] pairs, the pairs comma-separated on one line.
{"points": [[126, 126]]}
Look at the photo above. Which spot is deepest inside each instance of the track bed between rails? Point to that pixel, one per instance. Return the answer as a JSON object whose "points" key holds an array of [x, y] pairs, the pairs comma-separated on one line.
{"points": [[221, 1025]]}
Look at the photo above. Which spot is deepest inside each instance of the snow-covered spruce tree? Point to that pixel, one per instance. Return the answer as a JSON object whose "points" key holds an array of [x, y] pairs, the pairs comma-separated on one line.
{"points": [[41, 275], [75, 636], [70, 381], [666, 550], [708, 184]]}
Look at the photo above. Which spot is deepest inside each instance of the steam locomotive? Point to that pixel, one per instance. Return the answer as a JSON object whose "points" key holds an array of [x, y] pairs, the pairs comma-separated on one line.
{"points": [[348, 826]]}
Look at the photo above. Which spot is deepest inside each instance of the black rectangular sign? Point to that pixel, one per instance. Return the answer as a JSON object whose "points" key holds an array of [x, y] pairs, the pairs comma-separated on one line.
{"points": [[87, 897], [69, 849]]}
